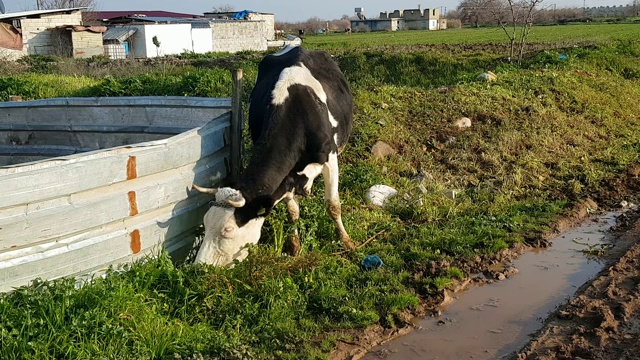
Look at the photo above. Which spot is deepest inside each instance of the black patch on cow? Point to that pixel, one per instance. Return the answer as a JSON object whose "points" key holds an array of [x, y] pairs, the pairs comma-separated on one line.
{"points": [[260, 206]]}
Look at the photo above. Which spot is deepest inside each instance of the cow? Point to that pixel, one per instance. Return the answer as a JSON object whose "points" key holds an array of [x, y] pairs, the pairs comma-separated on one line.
{"points": [[300, 118]]}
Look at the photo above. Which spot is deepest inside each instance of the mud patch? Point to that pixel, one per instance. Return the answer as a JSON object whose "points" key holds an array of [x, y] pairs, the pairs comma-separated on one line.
{"points": [[603, 322], [494, 320]]}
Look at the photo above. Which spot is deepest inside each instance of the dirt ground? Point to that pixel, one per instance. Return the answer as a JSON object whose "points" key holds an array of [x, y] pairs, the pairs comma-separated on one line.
{"points": [[603, 320]]}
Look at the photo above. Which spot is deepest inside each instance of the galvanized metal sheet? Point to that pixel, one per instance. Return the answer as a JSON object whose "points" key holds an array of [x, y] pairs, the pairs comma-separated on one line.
{"points": [[77, 214]]}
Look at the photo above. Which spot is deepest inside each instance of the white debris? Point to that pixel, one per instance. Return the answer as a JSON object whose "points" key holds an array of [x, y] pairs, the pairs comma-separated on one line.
{"points": [[378, 194], [488, 76], [463, 123], [451, 193]]}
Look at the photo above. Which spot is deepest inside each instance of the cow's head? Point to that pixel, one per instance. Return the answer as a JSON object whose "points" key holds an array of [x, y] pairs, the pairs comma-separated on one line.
{"points": [[229, 225]]}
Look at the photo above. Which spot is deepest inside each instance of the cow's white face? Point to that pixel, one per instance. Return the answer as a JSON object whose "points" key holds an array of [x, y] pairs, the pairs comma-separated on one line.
{"points": [[225, 241]]}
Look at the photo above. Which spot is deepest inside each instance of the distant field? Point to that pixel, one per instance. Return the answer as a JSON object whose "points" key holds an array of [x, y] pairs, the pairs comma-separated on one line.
{"points": [[597, 33]]}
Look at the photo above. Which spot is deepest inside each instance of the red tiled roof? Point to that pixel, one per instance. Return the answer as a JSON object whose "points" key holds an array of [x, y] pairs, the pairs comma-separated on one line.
{"points": [[151, 13]]}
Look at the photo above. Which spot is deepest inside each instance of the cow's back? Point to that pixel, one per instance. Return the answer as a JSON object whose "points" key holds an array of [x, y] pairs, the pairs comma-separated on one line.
{"points": [[322, 68], [269, 70]]}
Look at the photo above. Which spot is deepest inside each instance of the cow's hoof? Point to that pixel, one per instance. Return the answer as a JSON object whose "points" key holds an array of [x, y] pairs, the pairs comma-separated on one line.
{"points": [[348, 244], [292, 246]]}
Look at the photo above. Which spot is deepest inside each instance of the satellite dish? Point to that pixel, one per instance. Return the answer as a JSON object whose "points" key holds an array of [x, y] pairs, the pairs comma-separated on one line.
{"points": [[1, 7]]}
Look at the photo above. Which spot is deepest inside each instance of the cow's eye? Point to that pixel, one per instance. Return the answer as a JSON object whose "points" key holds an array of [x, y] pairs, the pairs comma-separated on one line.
{"points": [[228, 231]]}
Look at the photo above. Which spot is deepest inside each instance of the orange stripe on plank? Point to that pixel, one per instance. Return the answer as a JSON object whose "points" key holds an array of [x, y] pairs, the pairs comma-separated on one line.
{"points": [[135, 241], [132, 171], [133, 204]]}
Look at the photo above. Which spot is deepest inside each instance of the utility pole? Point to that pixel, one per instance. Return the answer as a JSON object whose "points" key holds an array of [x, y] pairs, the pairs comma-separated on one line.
{"points": [[38, 4]]}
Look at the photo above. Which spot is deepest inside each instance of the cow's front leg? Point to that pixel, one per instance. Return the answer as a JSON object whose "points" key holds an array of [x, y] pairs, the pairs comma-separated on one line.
{"points": [[292, 247], [308, 175], [330, 174]]}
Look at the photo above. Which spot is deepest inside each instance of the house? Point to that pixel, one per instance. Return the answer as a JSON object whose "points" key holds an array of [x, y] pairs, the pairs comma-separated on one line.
{"points": [[215, 32], [145, 37], [416, 19], [48, 32], [267, 20], [387, 24], [409, 19]]}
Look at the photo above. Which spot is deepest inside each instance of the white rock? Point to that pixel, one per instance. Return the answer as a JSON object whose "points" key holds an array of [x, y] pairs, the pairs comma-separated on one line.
{"points": [[488, 76], [463, 123], [378, 194]]}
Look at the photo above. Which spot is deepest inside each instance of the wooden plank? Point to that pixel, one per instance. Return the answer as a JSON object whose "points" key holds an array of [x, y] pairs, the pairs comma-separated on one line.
{"points": [[77, 173]]}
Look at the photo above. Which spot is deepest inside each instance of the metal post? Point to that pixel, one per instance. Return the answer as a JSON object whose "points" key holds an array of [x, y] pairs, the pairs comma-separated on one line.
{"points": [[237, 127]]}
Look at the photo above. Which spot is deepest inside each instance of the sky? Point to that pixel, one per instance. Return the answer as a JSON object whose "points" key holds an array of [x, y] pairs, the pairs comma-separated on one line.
{"points": [[292, 11]]}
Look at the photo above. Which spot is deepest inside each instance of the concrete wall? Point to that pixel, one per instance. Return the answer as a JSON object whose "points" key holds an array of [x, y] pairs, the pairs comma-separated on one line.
{"points": [[374, 25], [86, 44], [417, 19], [38, 36], [269, 24], [239, 35], [202, 40], [174, 39]]}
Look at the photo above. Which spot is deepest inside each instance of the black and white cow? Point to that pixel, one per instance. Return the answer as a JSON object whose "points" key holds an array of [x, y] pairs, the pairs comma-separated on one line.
{"points": [[300, 118]]}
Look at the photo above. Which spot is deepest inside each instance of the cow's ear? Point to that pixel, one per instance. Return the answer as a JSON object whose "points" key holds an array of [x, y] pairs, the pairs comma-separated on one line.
{"points": [[230, 197]]}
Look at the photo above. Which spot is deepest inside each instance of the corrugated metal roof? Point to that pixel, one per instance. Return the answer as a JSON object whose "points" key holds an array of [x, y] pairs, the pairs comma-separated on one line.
{"points": [[196, 23], [118, 33], [160, 19], [36, 12], [117, 14]]}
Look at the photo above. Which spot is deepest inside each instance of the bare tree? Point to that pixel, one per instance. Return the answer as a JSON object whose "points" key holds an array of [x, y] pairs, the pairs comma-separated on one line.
{"points": [[634, 8], [223, 8], [515, 18], [65, 4], [474, 12]]}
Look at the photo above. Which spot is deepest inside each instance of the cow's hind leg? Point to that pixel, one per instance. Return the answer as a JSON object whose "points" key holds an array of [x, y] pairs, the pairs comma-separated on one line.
{"points": [[332, 198], [292, 247]]}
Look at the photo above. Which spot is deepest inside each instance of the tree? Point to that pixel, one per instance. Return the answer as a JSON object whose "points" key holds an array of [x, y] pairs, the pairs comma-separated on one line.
{"points": [[634, 8], [156, 42], [475, 12], [515, 18], [223, 8], [65, 4]]}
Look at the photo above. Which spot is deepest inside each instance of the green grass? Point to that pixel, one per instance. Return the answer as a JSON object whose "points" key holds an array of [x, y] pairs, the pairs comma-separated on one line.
{"points": [[557, 35], [544, 137]]}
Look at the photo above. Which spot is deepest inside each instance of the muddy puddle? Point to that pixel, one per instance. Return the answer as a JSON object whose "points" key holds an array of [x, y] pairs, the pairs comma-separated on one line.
{"points": [[494, 320]]}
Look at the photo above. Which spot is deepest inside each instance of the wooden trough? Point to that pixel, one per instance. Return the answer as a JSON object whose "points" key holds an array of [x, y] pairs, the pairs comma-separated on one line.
{"points": [[107, 179]]}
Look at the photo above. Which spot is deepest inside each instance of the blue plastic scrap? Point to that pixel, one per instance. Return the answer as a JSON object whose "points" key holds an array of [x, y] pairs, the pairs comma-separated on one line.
{"points": [[371, 262], [241, 14], [562, 57]]}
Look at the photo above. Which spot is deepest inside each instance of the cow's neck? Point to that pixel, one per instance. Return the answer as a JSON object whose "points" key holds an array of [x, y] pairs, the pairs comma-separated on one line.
{"points": [[269, 166]]}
